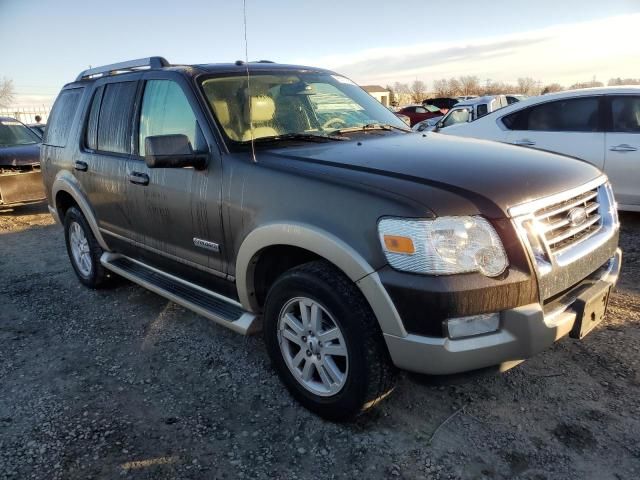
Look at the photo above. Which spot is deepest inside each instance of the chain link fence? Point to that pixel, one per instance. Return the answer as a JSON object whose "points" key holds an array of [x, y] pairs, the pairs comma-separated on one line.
{"points": [[27, 114]]}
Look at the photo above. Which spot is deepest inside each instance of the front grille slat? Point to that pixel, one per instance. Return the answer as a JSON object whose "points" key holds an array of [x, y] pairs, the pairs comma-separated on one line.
{"points": [[558, 226], [573, 231], [565, 206]]}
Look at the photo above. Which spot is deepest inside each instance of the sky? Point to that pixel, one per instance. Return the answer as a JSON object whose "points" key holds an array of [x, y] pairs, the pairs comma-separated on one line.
{"points": [[45, 44]]}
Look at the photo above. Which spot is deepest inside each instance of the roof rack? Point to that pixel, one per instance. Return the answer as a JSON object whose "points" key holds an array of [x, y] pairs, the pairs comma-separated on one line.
{"points": [[129, 66]]}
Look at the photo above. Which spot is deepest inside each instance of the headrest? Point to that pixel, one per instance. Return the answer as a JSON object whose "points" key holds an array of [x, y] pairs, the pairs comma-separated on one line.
{"points": [[262, 109], [221, 107]]}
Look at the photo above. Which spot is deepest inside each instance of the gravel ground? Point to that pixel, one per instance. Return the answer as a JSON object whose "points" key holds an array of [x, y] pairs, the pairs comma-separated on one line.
{"points": [[120, 383]]}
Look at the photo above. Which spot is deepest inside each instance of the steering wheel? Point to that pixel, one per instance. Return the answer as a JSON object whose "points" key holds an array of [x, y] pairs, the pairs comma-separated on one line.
{"points": [[332, 121]]}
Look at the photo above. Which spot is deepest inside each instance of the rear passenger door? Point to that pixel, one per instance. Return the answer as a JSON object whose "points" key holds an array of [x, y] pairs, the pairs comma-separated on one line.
{"points": [[102, 166], [573, 126], [178, 209], [622, 163]]}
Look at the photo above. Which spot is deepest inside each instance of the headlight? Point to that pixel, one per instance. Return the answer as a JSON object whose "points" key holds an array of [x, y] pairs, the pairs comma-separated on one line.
{"points": [[443, 246]]}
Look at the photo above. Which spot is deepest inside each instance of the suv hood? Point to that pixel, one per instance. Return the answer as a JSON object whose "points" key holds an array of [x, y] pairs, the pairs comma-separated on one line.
{"points": [[494, 175], [20, 155]]}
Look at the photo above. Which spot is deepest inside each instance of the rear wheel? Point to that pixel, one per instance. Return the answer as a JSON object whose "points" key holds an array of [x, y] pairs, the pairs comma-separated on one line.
{"points": [[325, 342], [83, 250]]}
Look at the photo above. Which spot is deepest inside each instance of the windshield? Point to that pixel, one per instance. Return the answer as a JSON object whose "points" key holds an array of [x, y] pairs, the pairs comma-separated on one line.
{"points": [[456, 116], [12, 132], [432, 108], [298, 103]]}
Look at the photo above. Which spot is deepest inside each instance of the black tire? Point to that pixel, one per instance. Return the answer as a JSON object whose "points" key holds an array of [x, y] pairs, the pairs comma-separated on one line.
{"points": [[97, 276], [371, 374]]}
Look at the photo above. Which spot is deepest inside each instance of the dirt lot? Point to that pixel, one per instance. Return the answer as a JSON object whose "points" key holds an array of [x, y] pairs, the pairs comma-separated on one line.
{"points": [[121, 383]]}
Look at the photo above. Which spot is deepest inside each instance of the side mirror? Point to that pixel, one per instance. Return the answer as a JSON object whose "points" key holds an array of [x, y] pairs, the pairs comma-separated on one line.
{"points": [[171, 151], [439, 125]]}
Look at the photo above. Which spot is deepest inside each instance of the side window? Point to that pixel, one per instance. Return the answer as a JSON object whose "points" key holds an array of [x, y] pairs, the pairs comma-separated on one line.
{"points": [[61, 118], [114, 120], [460, 115], [481, 110], [91, 132], [625, 114], [572, 115], [421, 110], [166, 111]]}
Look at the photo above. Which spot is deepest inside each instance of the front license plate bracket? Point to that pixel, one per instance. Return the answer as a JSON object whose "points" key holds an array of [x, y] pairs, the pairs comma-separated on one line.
{"points": [[590, 308]]}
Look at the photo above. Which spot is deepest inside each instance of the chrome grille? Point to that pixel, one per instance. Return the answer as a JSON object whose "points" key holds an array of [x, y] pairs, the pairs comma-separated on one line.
{"points": [[568, 222]]}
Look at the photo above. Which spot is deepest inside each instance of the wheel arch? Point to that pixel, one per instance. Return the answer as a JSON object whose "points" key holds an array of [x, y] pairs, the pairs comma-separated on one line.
{"points": [[317, 244], [65, 193]]}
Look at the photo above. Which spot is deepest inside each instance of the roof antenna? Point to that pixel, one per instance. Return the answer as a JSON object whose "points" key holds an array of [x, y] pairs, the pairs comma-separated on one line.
{"points": [[246, 64]]}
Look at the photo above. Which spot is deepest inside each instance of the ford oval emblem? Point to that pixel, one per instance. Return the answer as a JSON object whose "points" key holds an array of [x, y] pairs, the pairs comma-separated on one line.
{"points": [[577, 216]]}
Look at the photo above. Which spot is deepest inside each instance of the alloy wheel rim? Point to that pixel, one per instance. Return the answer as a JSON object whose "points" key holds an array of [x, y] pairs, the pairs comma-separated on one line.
{"points": [[313, 346], [80, 249]]}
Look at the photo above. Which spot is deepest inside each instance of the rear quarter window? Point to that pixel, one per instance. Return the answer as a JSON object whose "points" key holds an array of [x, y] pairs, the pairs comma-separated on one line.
{"points": [[61, 118]]}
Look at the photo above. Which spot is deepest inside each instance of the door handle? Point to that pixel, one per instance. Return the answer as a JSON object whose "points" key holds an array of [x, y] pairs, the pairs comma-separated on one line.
{"points": [[81, 166], [139, 178], [623, 147], [525, 142]]}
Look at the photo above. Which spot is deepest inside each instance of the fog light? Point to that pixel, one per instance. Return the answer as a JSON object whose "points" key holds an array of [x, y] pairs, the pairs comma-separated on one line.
{"points": [[473, 325]]}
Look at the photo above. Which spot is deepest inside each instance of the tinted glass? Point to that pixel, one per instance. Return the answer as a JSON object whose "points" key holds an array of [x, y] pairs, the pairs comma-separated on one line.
{"points": [[91, 132], [12, 132], [625, 114], [166, 111], [114, 121], [574, 115], [481, 110], [61, 118]]}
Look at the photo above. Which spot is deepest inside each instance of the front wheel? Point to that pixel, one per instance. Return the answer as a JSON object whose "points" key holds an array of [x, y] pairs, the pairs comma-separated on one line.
{"points": [[84, 250], [325, 342]]}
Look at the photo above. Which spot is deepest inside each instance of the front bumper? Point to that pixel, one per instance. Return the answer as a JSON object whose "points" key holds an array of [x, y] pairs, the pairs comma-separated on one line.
{"points": [[524, 331]]}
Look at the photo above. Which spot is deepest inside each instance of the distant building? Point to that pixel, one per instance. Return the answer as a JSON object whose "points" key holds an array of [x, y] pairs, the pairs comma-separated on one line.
{"points": [[379, 93]]}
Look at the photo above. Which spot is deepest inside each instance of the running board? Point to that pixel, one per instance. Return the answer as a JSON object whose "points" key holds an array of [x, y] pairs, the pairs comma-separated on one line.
{"points": [[216, 307]]}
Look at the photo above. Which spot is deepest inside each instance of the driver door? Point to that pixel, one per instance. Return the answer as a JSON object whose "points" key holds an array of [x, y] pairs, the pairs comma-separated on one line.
{"points": [[178, 209]]}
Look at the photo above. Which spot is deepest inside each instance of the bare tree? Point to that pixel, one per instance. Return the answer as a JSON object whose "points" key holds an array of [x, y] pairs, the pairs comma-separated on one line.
{"points": [[7, 93], [441, 87], [498, 88], [454, 87], [552, 87], [469, 85], [402, 93], [527, 86], [392, 94], [418, 91]]}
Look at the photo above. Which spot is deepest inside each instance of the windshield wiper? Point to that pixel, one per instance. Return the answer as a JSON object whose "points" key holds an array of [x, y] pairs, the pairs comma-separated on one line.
{"points": [[369, 126], [308, 137]]}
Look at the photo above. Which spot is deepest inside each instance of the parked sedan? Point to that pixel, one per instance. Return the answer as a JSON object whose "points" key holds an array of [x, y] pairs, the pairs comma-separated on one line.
{"points": [[20, 177], [599, 125], [417, 113]]}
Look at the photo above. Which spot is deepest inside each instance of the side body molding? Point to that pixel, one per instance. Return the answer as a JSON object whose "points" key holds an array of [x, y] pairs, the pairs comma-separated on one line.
{"points": [[326, 246], [66, 182]]}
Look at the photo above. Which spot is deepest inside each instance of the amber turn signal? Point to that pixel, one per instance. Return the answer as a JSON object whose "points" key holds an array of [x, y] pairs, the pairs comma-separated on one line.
{"points": [[396, 244]]}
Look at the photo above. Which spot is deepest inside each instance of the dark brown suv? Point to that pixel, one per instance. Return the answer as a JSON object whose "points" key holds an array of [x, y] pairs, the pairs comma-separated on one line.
{"points": [[285, 198]]}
